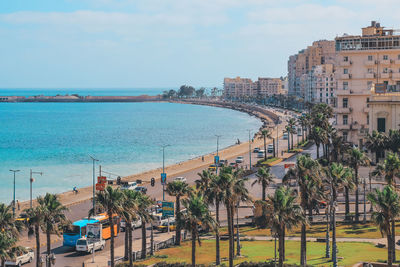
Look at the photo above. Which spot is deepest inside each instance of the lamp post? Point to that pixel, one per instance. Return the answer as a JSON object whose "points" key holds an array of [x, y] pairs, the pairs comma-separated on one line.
{"points": [[31, 181], [216, 164], [277, 139], [250, 148], [14, 171], [94, 184], [163, 169]]}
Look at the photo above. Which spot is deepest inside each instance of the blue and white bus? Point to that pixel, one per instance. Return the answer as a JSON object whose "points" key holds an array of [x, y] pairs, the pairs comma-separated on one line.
{"points": [[75, 231]]}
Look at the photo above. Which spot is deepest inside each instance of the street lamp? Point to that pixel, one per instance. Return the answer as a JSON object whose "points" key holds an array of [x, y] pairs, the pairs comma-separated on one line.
{"points": [[31, 180], [163, 170], [94, 185], [14, 171], [250, 148]]}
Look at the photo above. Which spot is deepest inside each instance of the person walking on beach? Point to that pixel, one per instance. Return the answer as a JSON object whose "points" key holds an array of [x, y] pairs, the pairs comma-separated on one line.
{"points": [[18, 205], [202, 158]]}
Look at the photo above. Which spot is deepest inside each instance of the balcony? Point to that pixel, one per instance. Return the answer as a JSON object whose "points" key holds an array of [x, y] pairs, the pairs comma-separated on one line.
{"points": [[396, 75], [342, 126], [386, 75], [366, 110], [343, 110], [346, 63], [342, 92], [370, 76], [397, 62], [345, 76], [385, 62], [370, 62]]}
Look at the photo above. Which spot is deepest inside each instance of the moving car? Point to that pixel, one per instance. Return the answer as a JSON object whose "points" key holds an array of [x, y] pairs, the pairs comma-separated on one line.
{"points": [[164, 226], [82, 245], [129, 186], [233, 164], [260, 154], [256, 150], [270, 148], [222, 162], [239, 159], [135, 224], [22, 258], [180, 179], [285, 136], [212, 167], [141, 189]]}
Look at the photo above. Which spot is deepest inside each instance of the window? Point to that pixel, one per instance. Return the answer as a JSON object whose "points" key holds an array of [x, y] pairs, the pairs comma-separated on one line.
{"points": [[385, 57], [370, 58], [345, 85], [345, 71], [345, 119], [381, 125], [369, 84], [345, 102], [385, 70], [370, 70], [345, 59], [345, 134]]}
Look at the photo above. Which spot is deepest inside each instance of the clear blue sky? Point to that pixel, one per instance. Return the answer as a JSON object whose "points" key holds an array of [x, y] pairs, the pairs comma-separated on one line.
{"points": [[166, 43]]}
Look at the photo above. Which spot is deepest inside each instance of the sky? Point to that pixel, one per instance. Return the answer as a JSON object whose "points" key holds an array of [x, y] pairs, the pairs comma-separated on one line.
{"points": [[167, 43]]}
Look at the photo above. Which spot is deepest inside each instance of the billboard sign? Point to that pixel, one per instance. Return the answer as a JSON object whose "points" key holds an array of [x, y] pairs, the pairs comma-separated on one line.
{"points": [[100, 187], [101, 179], [93, 232], [168, 209], [380, 88], [163, 177], [216, 159]]}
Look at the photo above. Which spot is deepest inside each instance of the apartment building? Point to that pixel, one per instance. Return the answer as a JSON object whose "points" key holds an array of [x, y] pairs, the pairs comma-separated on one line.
{"points": [[320, 86], [371, 60], [245, 87], [300, 65], [270, 86]]}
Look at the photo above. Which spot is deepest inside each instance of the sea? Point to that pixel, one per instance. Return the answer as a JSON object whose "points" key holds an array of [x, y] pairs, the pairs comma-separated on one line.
{"points": [[59, 139]]}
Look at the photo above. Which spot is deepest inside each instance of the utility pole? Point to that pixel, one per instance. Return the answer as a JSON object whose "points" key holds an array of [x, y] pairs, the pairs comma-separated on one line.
{"points": [[237, 230], [250, 148], [31, 180], [14, 171], [94, 184], [216, 163], [163, 170]]}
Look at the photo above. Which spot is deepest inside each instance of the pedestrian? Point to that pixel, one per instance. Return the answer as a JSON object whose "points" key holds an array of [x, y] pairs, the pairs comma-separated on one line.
{"points": [[18, 205], [202, 158]]}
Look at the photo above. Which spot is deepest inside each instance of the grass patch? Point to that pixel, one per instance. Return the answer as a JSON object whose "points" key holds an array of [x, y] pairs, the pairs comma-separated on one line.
{"points": [[269, 161], [261, 251]]}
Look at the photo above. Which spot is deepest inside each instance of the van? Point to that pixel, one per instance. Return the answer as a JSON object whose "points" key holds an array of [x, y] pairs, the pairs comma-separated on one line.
{"points": [[158, 219], [270, 148], [129, 186], [260, 154], [285, 136]]}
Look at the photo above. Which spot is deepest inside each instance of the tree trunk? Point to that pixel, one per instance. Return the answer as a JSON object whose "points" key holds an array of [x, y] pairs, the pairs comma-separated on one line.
{"points": [[143, 256], [48, 244], [288, 143], [126, 253], [263, 185], [281, 244], [317, 151], [291, 139], [37, 234], [217, 252], [178, 218], [273, 141], [390, 254], [357, 196], [265, 149], [111, 219], [193, 245], [130, 245], [228, 214], [393, 240], [334, 247], [327, 248], [233, 229], [303, 249], [347, 203]]}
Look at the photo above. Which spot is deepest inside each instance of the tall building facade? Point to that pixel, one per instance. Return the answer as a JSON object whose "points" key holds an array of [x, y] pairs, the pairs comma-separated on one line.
{"points": [[245, 87], [320, 86], [300, 65], [363, 62]]}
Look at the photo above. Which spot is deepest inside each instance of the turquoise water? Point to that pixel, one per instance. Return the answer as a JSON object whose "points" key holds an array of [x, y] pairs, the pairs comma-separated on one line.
{"points": [[57, 139]]}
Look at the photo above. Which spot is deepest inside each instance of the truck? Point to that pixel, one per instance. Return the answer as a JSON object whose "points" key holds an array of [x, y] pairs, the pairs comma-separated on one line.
{"points": [[21, 258], [83, 245], [135, 224]]}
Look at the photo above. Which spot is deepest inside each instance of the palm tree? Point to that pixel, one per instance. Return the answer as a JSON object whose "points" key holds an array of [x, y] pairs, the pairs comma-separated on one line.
{"points": [[206, 177], [109, 200], [284, 212], [307, 174], [377, 142], [265, 133], [7, 241], [264, 177], [387, 207], [129, 214], [337, 178], [302, 121], [288, 130], [292, 125], [178, 189], [53, 217], [145, 203], [34, 221], [197, 215], [393, 143], [338, 146], [357, 158], [318, 135], [7, 222]]}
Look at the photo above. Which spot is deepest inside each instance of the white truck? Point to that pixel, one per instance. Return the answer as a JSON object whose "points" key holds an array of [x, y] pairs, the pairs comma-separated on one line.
{"points": [[83, 245], [135, 224], [23, 258]]}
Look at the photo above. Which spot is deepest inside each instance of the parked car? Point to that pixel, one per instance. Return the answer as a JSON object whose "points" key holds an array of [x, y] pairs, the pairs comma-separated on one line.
{"points": [[23, 217], [270, 148], [164, 226], [255, 150], [129, 186], [239, 159], [180, 179], [260, 154], [141, 189], [222, 163], [83, 245], [285, 136], [135, 224], [233, 164], [299, 132], [212, 167], [158, 219], [22, 258]]}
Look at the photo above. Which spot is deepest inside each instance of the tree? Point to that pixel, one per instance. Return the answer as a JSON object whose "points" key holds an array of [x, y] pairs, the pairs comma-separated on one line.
{"points": [[265, 133], [145, 203], [34, 221], [197, 215], [178, 189], [318, 135], [200, 92], [186, 91], [377, 142], [307, 174], [302, 121], [288, 130], [292, 126], [357, 158], [6, 242], [130, 204], [387, 207], [53, 217], [337, 177], [393, 141], [338, 146], [7, 221], [264, 178], [109, 200]]}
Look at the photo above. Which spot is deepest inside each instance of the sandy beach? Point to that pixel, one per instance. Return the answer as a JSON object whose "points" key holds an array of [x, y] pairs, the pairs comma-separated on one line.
{"points": [[268, 117]]}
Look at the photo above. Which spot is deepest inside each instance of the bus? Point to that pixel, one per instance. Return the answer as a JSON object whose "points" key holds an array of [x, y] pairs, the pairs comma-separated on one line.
{"points": [[72, 233], [105, 225]]}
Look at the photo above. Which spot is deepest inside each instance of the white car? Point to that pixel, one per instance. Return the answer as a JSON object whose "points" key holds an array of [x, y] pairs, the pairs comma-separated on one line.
{"points": [[82, 245], [285, 136], [261, 154], [129, 186], [239, 159], [135, 224], [180, 179], [27, 257], [270, 148]]}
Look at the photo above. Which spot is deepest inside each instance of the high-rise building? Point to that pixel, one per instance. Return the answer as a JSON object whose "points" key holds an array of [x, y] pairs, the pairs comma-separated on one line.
{"points": [[245, 87], [372, 59], [320, 86]]}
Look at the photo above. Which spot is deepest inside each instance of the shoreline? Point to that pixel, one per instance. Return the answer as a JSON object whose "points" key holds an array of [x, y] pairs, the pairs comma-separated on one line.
{"points": [[85, 193]]}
